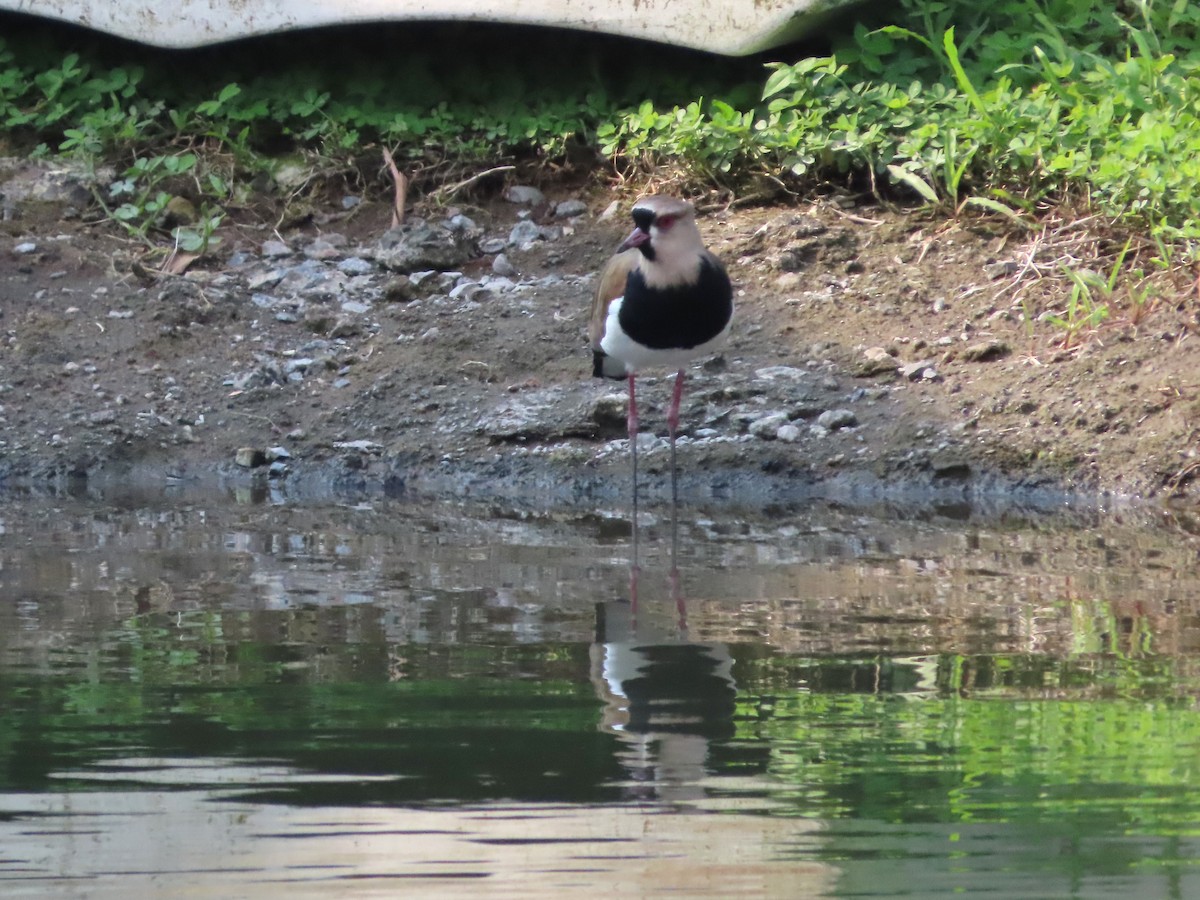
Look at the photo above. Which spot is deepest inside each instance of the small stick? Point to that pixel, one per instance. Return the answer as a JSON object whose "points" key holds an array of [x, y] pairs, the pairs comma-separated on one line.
{"points": [[451, 189], [401, 189]]}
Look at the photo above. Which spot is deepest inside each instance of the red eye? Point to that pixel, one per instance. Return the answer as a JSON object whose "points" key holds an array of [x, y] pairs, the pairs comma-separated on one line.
{"points": [[664, 222]]}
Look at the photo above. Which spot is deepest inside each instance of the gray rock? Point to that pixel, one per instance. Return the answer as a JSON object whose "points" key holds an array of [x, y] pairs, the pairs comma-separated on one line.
{"points": [[501, 266], [361, 446], [250, 457], [515, 421], [59, 181], [985, 351], [306, 276], [788, 433], [418, 245], [493, 245], [466, 290], [345, 327], [570, 208], [876, 361], [322, 248], [524, 232], [356, 265], [278, 453], [524, 195], [462, 223], [767, 427], [780, 373], [24, 248], [916, 371], [833, 419], [102, 417], [265, 279], [275, 249], [499, 283], [611, 411], [1001, 269], [355, 307]]}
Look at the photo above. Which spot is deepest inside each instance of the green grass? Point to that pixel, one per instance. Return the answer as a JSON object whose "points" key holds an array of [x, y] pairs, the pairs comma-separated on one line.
{"points": [[1010, 108]]}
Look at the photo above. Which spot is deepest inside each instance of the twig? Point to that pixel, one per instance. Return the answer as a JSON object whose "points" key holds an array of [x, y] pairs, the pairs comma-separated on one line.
{"points": [[451, 189], [401, 189], [858, 220]]}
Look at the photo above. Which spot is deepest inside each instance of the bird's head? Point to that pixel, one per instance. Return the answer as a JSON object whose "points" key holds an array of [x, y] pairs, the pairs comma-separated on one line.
{"points": [[666, 232]]}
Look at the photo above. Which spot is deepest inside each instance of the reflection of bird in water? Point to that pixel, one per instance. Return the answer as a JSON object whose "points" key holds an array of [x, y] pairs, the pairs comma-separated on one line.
{"points": [[666, 697], [662, 301]]}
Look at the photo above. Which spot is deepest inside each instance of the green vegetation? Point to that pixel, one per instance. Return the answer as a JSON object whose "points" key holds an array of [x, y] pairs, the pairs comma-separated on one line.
{"points": [[1018, 108]]}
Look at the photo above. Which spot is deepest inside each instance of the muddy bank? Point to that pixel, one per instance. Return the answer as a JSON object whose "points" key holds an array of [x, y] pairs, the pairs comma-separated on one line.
{"points": [[876, 357]]}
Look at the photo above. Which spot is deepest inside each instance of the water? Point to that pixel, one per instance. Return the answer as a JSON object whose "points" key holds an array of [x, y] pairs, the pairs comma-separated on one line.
{"points": [[213, 698]]}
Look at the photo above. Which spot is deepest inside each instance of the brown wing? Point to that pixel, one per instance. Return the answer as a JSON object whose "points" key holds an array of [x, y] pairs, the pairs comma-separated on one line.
{"points": [[611, 286]]}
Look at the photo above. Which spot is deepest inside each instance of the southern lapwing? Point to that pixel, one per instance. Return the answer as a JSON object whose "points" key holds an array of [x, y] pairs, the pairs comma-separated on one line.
{"points": [[663, 301]]}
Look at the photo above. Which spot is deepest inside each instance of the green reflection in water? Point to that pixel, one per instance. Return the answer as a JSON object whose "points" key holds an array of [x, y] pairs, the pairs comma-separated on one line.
{"points": [[1101, 743]]}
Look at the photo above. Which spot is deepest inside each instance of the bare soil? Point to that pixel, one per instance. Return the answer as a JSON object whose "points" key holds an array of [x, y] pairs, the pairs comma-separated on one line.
{"points": [[111, 370]]}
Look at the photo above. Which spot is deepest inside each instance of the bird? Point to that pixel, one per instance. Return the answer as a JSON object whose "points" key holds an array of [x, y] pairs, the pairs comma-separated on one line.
{"points": [[663, 300]]}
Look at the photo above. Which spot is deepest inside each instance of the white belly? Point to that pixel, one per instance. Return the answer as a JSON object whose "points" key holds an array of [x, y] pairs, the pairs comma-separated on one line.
{"points": [[637, 357]]}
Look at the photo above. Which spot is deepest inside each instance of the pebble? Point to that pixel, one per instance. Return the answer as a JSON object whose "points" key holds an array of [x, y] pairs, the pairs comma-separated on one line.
{"points": [[525, 232], [876, 361], [917, 371], [462, 223], [250, 457], [265, 279], [345, 327], [501, 266], [788, 433], [362, 446], [986, 351], [24, 248], [524, 195], [356, 265], [275, 249], [833, 419], [466, 290], [610, 411], [322, 248], [568, 209], [785, 373], [767, 427]]}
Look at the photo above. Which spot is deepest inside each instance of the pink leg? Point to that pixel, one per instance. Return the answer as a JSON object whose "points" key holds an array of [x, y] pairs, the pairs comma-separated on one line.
{"points": [[632, 423], [672, 427], [631, 419]]}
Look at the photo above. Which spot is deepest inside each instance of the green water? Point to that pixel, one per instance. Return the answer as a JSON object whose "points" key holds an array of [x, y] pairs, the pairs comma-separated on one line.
{"points": [[223, 699]]}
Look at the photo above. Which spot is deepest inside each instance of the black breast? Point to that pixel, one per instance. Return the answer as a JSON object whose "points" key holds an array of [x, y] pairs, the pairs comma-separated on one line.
{"points": [[678, 317]]}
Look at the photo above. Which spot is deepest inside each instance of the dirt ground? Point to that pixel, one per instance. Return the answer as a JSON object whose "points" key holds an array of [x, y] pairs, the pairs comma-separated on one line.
{"points": [[905, 330]]}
